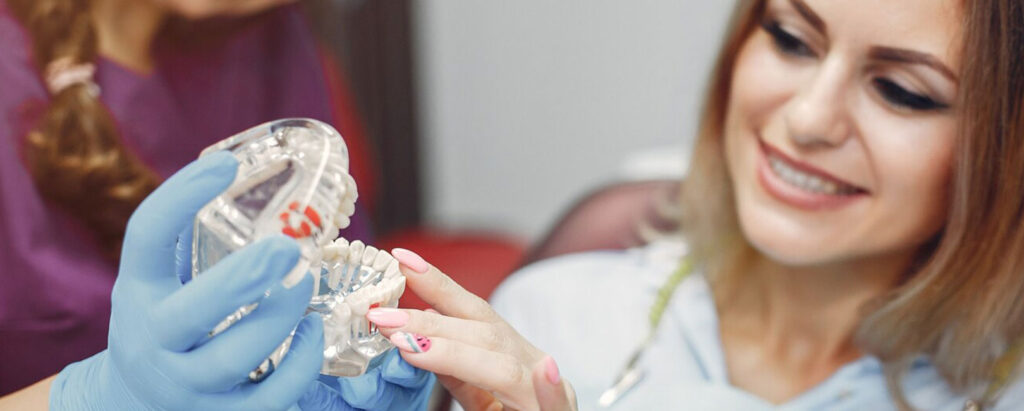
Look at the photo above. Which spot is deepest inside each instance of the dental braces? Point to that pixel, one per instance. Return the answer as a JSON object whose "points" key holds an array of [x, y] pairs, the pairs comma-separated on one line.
{"points": [[293, 179]]}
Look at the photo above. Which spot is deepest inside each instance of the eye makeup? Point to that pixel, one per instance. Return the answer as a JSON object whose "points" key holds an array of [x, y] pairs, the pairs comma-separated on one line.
{"points": [[890, 91], [786, 42], [905, 99]]}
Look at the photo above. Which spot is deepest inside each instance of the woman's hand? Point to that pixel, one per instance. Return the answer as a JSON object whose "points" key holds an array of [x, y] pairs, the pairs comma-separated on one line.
{"points": [[160, 354], [478, 357]]}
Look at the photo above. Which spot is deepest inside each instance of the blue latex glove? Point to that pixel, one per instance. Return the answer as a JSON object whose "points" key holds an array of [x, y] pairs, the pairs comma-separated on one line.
{"points": [[159, 354], [394, 385]]}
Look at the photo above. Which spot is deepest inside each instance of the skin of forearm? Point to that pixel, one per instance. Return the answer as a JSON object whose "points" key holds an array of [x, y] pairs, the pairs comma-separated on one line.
{"points": [[33, 397]]}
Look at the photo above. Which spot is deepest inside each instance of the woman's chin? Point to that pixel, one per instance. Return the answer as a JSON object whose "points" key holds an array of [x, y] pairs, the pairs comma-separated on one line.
{"points": [[793, 256], [797, 248]]}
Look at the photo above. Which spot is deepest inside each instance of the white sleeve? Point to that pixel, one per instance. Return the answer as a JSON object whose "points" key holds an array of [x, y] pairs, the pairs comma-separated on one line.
{"points": [[526, 295]]}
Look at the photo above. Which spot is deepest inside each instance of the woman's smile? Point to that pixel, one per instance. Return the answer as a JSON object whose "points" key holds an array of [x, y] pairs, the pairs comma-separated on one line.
{"points": [[802, 185]]}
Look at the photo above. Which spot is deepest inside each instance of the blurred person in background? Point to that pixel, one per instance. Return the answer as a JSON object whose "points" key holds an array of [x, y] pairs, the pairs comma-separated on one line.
{"points": [[853, 237], [101, 101]]}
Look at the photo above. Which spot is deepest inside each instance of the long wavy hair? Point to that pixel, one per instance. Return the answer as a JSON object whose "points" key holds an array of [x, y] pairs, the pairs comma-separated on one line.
{"points": [[74, 153], [962, 304]]}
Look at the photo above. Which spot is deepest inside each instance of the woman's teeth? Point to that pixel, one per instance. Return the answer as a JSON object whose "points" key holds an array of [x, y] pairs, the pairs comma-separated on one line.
{"points": [[808, 182]]}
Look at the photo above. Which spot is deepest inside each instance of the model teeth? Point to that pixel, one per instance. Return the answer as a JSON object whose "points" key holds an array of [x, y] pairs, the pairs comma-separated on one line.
{"points": [[369, 254], [336, 248], [341, 313], [392, 269], [380, 263], [808, 182], [348, 201], [356, 257], [359, 302], [348, 207], [358, 253], [355, 253]]}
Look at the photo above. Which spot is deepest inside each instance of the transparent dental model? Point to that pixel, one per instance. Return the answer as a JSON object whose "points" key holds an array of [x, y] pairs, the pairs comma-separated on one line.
{"points": [[293, 179]]}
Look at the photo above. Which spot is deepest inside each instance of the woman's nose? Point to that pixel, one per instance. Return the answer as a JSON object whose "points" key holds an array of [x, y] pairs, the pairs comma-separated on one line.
{"points": [[818, 114]]}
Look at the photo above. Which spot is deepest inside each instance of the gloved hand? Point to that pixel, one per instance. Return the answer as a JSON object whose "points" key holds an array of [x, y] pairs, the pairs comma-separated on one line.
{"points": [[159, 354], [394, 385]]}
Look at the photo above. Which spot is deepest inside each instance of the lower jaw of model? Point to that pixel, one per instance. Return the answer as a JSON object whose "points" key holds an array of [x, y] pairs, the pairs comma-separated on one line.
{"points": [[354, 279], [293, 180]]}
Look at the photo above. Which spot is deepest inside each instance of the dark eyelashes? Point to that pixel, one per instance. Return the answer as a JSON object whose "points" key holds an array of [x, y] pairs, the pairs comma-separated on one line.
{"points": [[901, 97], [786, 42], [893, 93]]}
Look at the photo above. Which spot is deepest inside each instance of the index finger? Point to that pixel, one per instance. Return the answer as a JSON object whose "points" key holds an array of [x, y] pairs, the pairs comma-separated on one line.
{"points": [[440, 291]]}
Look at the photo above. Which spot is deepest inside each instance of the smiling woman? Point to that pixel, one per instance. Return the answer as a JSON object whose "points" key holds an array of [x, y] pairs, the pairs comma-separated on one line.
{"points": [[852, 177], [852, 234]]}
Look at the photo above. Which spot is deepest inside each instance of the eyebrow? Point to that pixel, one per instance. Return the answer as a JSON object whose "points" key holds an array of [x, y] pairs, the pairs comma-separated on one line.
{"points": [[808, 14], [878, 52], [911, 57]]}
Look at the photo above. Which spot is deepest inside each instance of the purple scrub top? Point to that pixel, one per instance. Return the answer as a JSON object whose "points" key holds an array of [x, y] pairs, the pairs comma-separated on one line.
{"points": [[54, 283]]}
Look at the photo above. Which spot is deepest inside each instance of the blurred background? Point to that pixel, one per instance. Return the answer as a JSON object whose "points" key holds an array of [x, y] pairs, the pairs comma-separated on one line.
{"points": [[491, 120]]}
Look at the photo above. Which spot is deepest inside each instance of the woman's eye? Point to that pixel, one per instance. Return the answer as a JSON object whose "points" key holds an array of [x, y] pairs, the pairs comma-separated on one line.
{"points": [[785, 41], [900, 97]]}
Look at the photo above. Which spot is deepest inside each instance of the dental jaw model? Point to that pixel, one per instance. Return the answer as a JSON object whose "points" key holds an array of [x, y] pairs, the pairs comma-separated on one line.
{"points": [[366, 278], [293, 179]]}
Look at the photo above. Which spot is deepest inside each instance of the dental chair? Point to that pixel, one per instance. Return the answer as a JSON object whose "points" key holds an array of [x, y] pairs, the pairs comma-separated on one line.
{"points": [[615, 216]]}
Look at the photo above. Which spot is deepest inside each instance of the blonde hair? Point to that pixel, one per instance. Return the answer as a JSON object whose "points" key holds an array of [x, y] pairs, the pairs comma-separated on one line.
{"points": [[962, 304], [75, 154]]}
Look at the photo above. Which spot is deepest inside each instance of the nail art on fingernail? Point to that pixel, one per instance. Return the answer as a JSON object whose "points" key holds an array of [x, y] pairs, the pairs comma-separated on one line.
{"points": [[551, 370], [413, 343], [411, 260]]}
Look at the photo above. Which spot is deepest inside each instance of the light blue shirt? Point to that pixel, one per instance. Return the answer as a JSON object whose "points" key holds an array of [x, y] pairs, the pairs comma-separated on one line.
{"points": [[589, 312]]}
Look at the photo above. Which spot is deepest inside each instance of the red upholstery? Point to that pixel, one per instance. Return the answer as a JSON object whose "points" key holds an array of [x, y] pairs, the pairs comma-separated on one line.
{"points": [[478, 261]]}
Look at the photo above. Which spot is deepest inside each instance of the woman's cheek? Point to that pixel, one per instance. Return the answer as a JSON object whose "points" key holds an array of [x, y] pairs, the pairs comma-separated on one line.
{"points": [[914, 162], [764, 81]]}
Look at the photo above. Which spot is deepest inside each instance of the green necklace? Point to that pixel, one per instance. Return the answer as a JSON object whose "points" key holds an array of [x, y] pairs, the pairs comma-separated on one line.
{"points": [[631, 374], [665, 293]]}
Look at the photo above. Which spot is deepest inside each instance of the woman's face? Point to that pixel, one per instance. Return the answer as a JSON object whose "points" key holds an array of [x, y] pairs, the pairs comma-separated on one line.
{"points": [[840, 128]]}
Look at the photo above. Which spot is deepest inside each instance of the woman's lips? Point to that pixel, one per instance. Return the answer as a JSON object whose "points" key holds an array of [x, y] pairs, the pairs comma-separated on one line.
{"points": [[801, 185]]}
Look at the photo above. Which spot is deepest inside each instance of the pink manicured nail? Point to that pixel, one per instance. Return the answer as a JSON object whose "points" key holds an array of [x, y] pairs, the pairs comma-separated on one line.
{"points": [[413, 343], [411, 260], [388, 317], [551, 371]]}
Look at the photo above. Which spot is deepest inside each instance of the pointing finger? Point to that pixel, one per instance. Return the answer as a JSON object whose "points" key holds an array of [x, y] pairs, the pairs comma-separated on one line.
{"points": [[440, 291]]}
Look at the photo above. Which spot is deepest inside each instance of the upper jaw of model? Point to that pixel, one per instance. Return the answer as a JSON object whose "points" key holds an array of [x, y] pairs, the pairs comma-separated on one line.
{"points": [[293, 179]]}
